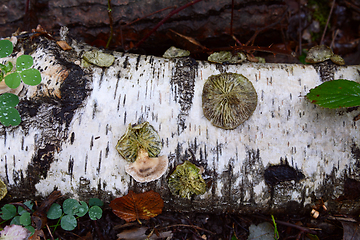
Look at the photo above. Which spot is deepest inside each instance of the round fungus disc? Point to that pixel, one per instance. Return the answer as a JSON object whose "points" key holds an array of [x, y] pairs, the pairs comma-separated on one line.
{"points": [[142, 136], [228, 100]]}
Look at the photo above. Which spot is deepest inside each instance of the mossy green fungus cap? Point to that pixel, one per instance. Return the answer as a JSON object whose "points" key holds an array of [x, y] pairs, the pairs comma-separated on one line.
{"points": [[228, 100], [136, 137]]}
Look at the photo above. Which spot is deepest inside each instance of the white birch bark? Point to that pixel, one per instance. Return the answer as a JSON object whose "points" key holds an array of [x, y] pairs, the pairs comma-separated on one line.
{"points": [[82, 161]]}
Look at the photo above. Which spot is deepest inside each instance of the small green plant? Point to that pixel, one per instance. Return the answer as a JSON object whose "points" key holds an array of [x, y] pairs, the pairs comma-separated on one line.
{"points": [[67, 214], [276, 233], [13, 77], [336, 94], [72, 208], [18, 215]]}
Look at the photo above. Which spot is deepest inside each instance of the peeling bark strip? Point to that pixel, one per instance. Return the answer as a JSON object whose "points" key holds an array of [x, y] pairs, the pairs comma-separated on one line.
{"points": [[67, 140]]}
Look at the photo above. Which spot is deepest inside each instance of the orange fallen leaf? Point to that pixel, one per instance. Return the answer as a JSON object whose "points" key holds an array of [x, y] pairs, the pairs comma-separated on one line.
{"points": [[64, 45], [136, 206]]}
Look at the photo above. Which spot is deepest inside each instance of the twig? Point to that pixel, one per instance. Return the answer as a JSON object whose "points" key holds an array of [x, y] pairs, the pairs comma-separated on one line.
{"points": [[333, 39], [111, 24], [255, 48], [97, 230], [185, 225], [327, 23], [303, 229], [232, 17], [138, 19], [165, 19], [51, 236], [356, 8], [22, 205], [252, 39]]}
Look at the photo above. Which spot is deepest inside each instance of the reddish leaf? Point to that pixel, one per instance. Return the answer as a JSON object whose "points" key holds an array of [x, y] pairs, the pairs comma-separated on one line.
{"points": [[135, 206]]}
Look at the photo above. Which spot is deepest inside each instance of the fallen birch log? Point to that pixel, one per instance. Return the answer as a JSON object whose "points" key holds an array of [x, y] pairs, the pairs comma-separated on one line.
{"points": [[286, 155]]}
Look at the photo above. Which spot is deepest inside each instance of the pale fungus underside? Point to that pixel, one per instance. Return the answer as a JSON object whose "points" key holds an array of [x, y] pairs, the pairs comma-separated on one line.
{"points": [[141, 136], [228, 100], [186, 180], [146, 169]]}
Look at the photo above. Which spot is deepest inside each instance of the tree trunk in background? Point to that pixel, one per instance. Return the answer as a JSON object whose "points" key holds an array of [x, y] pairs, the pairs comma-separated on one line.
{"points": [[88, 20], [72, 121]]}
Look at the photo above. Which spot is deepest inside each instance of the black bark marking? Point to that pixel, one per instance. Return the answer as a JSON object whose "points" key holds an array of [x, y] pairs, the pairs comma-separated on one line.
{"points": [[107, 149], [91, 142], [126, 62], [137, 62], [276, 174], [182, 85], [99, 166], [94, 109], [86, 160], [101, 77], [326, 70], [71, 168], [72, 138]]}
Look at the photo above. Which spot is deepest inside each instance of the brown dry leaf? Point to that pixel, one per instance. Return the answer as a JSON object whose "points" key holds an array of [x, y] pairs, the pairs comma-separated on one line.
{"points": [[64, 45], [38, 235], [186, 42], [351, 230], [135, 206]]}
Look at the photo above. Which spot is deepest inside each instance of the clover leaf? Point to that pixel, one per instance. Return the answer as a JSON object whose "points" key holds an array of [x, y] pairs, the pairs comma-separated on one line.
{"points": [[8, 114], [6, 48]]}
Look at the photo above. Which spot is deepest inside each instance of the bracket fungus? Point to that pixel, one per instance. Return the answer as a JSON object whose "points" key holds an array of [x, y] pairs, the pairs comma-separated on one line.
{"points": [[136, 137], [227, 57], [186, 180], [228, 100], [99, 58], [140, 145], [321, 53], [146, 169], [174, 52]]}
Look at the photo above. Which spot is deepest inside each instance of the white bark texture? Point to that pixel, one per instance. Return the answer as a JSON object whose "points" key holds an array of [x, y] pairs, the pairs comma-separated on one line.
{"points": [[73, 120]]}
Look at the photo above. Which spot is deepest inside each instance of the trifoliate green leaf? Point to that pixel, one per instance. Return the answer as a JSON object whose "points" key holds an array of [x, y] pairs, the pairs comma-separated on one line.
{"points": [[31, 76], [13, 80], [8, 100], [6, 48], [24, 62], [68, 222], [9, 116], [70, 206], [54, 212], [8, 211]]}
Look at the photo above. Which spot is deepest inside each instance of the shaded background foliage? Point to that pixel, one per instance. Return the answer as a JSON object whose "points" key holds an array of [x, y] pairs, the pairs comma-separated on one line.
{"points": [[278, 22]]}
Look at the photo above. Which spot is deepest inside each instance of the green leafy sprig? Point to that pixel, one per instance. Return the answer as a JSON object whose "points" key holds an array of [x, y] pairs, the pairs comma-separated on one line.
{"points": [[72, 208], [18, 215], [13, 77], [67, 214]]}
